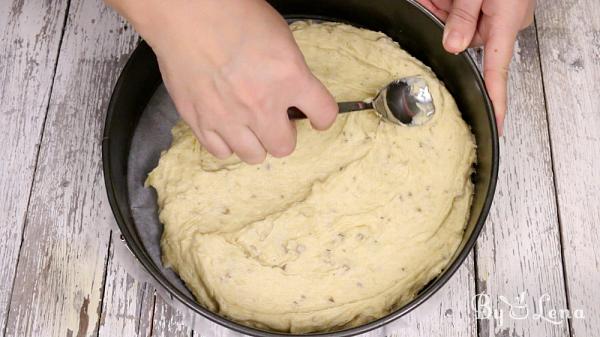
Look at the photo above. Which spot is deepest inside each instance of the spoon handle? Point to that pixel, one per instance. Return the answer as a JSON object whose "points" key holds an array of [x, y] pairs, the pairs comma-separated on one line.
{"points": [[295, 113]]}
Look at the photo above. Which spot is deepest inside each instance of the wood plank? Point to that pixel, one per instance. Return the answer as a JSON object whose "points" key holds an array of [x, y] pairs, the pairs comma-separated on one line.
{"points": [[569, 38], [172, 315], [170, 312], [519, 249], [128, 301], [29, 40], [60, 275], [447, 313], [168, 321]]}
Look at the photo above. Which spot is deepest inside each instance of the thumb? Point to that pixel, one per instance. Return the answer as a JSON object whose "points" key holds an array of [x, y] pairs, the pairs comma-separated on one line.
{"points": [[461, 25], [317, 104]]}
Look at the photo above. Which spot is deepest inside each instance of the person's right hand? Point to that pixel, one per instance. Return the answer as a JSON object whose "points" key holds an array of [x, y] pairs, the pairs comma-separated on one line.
{"points": [[233, 69]]}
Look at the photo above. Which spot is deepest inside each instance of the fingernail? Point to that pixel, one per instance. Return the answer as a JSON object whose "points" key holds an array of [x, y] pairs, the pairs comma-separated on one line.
{"points": [[453, 41]]}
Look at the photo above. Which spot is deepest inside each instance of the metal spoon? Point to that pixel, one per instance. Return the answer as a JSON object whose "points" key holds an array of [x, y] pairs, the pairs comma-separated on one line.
{"points": [[405, 101]]}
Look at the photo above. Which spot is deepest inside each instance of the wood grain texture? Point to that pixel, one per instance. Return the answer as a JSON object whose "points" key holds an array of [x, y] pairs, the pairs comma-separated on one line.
{"points": [[519, 249], [168, 321], [173, 317], [30, 33], [68, 249], [60, 274], [447, 313], [128, 300], [569, 38]]}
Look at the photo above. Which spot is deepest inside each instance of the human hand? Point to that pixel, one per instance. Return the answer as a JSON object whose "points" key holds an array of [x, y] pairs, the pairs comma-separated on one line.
{"points": [[491, 23], [232, 69]]}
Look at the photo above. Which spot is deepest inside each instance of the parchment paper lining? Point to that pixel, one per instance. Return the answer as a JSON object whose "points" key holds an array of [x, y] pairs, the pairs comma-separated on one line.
{"points": [[151, 137]]}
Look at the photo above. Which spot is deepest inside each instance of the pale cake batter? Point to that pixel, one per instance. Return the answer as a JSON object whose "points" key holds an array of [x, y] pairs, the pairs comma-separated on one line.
{"points": [[350, 226]]}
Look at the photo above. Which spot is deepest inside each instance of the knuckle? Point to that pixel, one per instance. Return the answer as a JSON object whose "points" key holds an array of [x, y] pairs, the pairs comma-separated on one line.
{"points": [[239, 87], [283, 149], [209, 119], [293, 68], [463, 15], [501, 71], [528, 21], [185, 109], [220, 154], [323, 122], [252, 116], [217, 151], [329, 114], [255, 158], [214, 115]]}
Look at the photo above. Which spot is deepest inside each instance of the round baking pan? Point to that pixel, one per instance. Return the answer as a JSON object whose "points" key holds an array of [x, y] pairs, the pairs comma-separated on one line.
{"points": [[417, 31]]}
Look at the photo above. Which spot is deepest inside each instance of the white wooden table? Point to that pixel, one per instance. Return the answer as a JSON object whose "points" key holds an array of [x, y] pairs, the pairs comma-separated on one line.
{"points": [[65, 272]]}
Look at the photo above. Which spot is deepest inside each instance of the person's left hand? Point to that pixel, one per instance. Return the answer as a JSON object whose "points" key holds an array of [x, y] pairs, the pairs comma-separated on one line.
{"points": [[491, 23]]}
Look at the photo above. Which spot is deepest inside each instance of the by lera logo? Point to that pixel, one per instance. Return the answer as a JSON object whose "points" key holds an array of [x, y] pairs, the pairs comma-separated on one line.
{"points": [[519, 309]]}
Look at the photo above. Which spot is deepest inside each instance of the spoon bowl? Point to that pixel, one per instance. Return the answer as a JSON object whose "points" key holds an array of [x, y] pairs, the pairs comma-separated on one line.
{"points": [[405, 101]]}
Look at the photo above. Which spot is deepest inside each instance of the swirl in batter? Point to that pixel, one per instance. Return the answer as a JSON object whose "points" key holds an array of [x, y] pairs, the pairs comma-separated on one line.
{"points": [[350, 226]]}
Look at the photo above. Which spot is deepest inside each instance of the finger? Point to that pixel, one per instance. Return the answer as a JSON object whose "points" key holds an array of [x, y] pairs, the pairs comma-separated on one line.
{"points": [[498, 54], [317, 104], [529, 16], [444, 5], [277, 134], [211, 141], [477, 41], [439, 13], [244, 143], [214, 144], [461, 25]]}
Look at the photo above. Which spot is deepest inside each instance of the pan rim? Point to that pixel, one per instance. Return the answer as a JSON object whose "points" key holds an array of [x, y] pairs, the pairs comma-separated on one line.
{"points": [[142, 256]]}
